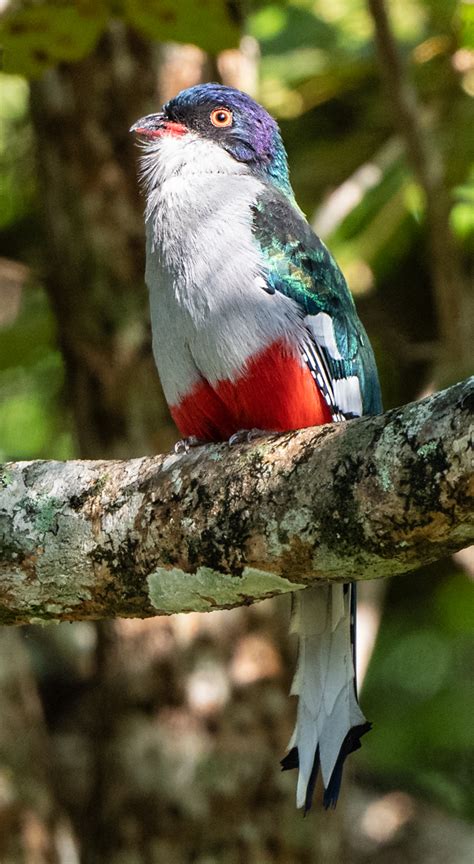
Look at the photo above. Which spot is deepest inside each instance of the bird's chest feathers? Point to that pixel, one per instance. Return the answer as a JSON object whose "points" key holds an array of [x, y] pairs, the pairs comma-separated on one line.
{"points": [[198, 234], [209, 312]]}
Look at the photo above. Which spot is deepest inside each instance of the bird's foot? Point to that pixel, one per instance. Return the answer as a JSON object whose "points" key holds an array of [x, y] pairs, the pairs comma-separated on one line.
{"points": [[244, 436], [185, 444]]}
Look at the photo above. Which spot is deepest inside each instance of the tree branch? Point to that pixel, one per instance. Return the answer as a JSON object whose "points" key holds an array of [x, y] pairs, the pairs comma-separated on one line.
{"points": [[220, 527], [426, 158]]}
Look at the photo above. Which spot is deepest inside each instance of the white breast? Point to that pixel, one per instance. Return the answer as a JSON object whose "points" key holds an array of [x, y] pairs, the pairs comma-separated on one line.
{"points": [[204, 271]]}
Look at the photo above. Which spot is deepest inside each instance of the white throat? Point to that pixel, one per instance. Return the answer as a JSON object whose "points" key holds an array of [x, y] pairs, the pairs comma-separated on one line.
{"points": [[198, 214], [169, 164]]}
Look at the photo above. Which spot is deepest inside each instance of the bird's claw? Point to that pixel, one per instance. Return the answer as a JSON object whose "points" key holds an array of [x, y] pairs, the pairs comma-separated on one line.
{"points": [[245, 436], [185, 444]]}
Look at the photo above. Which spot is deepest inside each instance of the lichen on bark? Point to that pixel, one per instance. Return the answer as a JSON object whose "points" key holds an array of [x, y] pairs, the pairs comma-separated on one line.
{"points": [[220, 526]]}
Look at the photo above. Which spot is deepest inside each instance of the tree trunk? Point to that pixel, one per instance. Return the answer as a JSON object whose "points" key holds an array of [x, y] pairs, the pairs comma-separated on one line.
{"points": [[93, 227]]}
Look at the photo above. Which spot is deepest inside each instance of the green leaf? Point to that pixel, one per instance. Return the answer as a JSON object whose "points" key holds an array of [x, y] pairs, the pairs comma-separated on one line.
{"points": [[207, 23], [462, 213], [17, 181], [37, 37], [466, 14]]}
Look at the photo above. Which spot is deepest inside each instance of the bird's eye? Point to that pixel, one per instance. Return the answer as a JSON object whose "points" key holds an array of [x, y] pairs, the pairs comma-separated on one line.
{"points": [[221, 117]]}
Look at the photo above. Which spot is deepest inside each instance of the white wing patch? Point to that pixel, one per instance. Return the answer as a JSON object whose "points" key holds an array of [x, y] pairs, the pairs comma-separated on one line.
{"points": [[322, 328], [347, 395], [342, 395]]}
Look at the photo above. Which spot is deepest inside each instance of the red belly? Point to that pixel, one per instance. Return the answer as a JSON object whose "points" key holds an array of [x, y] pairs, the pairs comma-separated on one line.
{"points": [[275, 393]]}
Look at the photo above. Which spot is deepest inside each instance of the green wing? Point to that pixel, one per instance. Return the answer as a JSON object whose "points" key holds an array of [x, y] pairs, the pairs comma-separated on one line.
{"points": [[299, 265]]}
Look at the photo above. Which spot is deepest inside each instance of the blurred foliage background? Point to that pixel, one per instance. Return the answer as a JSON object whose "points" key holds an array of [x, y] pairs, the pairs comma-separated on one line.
{"points": [[158, 741]]}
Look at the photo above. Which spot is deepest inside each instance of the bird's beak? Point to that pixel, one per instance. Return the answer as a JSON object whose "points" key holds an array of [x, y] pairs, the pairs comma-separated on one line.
{"points": [[156, 126]]}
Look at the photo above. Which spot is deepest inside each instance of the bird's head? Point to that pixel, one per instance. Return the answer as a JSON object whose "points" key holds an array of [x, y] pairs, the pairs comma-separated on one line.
{"points": [[223, 118]]}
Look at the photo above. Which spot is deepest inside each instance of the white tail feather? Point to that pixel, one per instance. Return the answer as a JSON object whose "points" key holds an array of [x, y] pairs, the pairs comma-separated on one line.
{"points": [[324, 681]]}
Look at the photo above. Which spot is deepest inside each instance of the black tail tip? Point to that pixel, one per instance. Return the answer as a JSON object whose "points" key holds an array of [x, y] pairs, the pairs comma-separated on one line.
{"points": [[350, 744], [331, 794], [291, 760]]}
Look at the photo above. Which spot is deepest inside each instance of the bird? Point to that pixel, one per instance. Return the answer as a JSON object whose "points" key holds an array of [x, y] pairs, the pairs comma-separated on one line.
{"points": [[254, 330]]}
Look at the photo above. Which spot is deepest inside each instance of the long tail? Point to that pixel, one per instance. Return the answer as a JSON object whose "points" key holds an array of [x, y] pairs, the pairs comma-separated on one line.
{"points": [[329, 722]]}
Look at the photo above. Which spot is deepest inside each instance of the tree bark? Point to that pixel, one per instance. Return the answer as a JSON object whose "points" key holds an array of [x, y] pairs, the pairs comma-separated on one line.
{"points": [[219, 527], [92, 218]]}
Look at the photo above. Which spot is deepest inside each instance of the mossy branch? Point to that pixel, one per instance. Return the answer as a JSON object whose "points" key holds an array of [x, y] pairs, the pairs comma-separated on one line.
{"points": [[223, 526]]}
